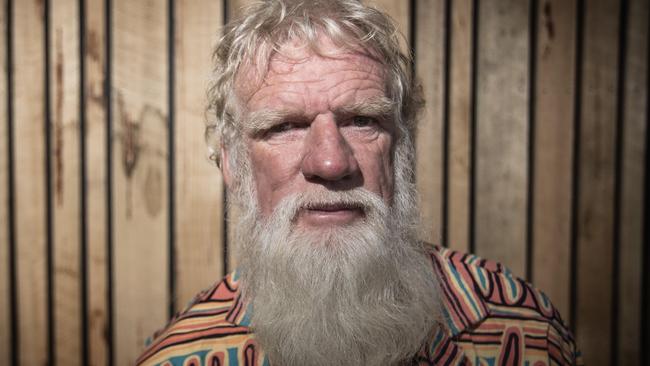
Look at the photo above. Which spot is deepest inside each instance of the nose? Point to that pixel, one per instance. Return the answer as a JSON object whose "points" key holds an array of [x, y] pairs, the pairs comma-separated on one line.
{"points": [[327, 155]]}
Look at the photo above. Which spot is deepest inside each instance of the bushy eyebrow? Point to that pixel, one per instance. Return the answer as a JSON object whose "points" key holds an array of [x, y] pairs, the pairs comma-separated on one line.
{"points": [[260, 121], [380, 107]]}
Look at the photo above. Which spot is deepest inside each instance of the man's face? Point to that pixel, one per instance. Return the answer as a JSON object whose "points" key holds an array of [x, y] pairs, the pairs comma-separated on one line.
{"points": [[319, 123]]}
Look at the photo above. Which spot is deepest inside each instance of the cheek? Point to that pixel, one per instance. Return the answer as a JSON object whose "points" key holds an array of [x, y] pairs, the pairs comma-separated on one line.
{"points": [[378, 163], [273, 168]]}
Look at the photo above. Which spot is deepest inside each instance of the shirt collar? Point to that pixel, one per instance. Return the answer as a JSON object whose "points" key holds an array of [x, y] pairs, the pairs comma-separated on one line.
{"points": [[462, 283], [239, 312]]}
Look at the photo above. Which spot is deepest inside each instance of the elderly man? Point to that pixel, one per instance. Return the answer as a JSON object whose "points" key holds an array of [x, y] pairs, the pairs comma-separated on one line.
{"points": [[315, 113]]}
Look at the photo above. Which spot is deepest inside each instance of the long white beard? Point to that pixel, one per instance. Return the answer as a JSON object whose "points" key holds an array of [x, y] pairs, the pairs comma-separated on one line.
{"points": [[360, 294]]}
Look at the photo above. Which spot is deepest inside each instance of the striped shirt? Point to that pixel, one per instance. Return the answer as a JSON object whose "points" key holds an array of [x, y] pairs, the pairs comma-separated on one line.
{"points": [[491, 318]]}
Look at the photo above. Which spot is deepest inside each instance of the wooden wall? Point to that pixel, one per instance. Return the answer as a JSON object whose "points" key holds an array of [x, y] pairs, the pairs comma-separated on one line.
{"points": [[532, 151]]}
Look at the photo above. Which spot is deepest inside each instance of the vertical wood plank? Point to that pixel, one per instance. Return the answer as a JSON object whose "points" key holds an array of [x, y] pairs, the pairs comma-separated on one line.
{"points": [[460, 101], [553, 161], [199, 187], [140, 186], [96, 182], [502, 133], [65, 168], [5, 294], [596, 180], [631, 216], [430, 68], [30, 198]]}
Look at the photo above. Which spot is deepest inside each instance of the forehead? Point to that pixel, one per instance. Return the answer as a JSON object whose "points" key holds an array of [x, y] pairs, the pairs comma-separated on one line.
{"points": [[299, 71]]}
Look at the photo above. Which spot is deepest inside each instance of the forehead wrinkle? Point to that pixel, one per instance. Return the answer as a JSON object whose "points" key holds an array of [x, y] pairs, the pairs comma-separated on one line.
{"points": [[360, 70], [352, 94], [353, 74], [249, 82], [318, 91], [296, 51], [296, 87]]}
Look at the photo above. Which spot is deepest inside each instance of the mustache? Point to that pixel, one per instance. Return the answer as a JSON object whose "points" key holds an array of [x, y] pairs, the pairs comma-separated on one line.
{"points": [[358, 198]]}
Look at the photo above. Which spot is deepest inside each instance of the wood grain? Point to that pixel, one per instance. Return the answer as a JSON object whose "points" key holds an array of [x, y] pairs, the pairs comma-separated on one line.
{"points": [[65, 167], [596, 181], [430, 68], [631, 240], [5, 315], [460, 102], [30, 183], [198, 184], [64, 183], [553, 162], [96, 183], [502, 130], [140, 176]]}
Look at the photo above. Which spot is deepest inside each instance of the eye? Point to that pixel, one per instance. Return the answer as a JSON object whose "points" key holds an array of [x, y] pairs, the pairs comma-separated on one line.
{"points": [[283, 127], [363, 121]]}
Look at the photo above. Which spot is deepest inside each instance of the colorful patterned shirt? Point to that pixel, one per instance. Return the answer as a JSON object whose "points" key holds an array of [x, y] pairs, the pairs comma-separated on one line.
{"points": [[491, 318]]}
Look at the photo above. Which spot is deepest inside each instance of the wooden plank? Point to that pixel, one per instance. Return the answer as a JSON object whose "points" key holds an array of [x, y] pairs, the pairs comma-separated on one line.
{"points": [[553, 164], [198, 187], [96, 186], [5, 292], [460, 102], [596, 181], [64, 183], [30, 198], [502, 133], [430, 68], [631, 214], [140, 176]]}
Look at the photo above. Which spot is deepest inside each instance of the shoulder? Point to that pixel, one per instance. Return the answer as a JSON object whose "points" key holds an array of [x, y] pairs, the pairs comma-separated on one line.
{"points": [[210, 331], [490, 311]]}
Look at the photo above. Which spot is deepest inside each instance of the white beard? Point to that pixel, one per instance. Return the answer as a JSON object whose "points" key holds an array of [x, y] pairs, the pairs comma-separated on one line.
{"points": [[360, 294]]}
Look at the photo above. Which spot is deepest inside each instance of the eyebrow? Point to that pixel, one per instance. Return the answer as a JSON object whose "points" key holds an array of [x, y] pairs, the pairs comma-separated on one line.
{"points": [[257, 122], [380, 107]]}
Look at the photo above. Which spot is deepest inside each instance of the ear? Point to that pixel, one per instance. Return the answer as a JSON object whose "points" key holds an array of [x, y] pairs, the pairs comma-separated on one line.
{"points": [[225, 167]]}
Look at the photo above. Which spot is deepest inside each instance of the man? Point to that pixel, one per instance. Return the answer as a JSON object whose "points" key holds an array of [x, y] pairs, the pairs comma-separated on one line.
{"points": [[315, 114]]}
